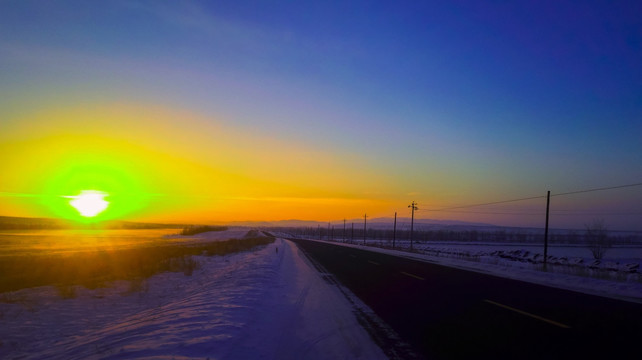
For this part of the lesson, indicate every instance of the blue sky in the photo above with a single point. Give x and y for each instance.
(452, 102)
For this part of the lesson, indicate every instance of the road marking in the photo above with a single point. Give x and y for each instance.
(413, 276)
(528, 314)
(372, 262)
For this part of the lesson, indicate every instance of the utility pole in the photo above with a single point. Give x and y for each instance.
(548, 202)
(413, 206)
(344, 229)
(365, 216)
(394, 231)
(332, 233)
(319, 230)
(352, 235)
(328, 234)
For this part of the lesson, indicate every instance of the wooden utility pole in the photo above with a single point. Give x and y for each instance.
(394, 231)
(344, 230)
(413, 206)
(365, 216)
(548, 202)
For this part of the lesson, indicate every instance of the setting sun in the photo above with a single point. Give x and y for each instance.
(89, 203)
(366, 179)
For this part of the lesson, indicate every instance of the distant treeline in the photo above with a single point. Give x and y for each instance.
(197, 229)
(506, 236)
(20, 223)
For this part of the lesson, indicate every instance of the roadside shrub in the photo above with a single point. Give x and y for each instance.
(66, 291)
(597, 239)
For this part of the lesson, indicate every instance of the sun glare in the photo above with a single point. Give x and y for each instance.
(89, 203)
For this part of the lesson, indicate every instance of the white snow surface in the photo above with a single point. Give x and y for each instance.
(260, 304)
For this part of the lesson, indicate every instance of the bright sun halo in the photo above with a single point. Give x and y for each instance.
(89, 203)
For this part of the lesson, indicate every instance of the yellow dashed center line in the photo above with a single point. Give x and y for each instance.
(413, 276)
(528, 314)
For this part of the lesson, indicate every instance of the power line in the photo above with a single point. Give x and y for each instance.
(558, 212)
(535, 197)
(593, 212)
(484, 204)
(597, 189)
(489, 212)
(580, 213)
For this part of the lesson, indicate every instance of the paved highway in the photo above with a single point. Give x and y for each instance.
(447, 313)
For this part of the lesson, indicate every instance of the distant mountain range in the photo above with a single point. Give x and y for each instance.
(374, 223)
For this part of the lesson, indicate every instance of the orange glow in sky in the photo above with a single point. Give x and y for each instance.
(180, 166)
(190, 168)
(214, 111)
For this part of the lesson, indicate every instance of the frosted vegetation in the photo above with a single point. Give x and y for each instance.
(97, 267)
(198, 229)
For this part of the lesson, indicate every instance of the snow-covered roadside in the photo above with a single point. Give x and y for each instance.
(266, 303)
(624, 290)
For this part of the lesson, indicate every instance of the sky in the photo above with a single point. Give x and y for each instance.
(262, 110)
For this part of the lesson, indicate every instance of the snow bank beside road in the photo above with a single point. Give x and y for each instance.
(258, 304)
(560, 276)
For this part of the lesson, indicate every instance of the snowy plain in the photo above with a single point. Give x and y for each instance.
(268, 303)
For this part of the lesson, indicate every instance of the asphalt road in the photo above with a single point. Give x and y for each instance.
(447, 313)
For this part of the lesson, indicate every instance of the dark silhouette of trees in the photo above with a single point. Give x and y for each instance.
(597, 238)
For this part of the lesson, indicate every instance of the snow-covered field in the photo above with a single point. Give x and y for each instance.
(27, 242)
(569, 267)
(269, 303)
(231, 233)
